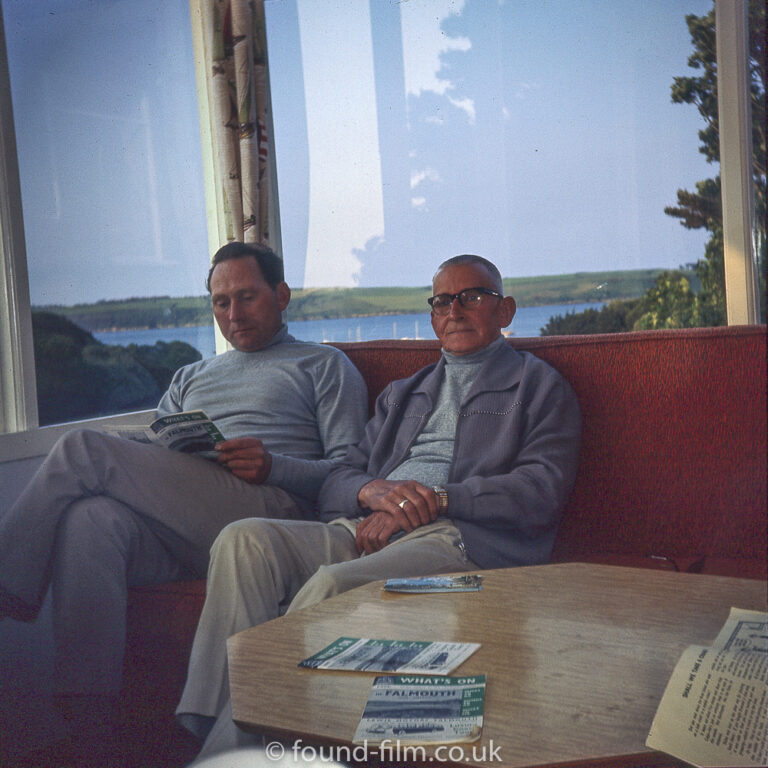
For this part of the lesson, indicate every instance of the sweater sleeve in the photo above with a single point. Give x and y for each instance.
(338, 495)
(341, 404)
(170, 402)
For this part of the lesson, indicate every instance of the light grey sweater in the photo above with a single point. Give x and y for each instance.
(306, 402)
(429, 457)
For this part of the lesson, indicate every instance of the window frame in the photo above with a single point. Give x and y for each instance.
(20, 435)
(735, 129)
(18, 389)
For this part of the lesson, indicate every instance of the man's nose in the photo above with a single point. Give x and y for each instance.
(234, 309)
(456, 308)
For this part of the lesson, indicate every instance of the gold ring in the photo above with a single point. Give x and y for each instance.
(403, 503)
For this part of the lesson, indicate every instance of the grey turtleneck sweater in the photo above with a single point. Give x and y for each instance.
(306, 402)
(430, 455)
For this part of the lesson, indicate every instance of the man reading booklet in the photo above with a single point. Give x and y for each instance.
(103, 513)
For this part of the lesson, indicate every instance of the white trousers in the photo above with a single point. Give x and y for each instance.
(102, 514)
(260, 569)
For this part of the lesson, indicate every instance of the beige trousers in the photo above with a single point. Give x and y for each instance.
(261, 569)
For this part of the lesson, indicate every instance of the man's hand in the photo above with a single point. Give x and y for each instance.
(246, 458)
(373, 532)
(410, 504)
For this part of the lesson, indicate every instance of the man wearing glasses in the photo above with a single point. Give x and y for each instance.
(465, 465)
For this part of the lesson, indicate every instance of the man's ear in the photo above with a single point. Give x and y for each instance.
(507, 309)
(283, 292)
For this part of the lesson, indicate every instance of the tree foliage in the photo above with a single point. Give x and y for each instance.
(78, 377)
(703, 208)
(614, 317)
(671, 301)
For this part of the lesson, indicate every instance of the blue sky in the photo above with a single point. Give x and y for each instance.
(106, 113)
(538, 133)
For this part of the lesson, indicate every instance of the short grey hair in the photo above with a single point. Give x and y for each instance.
(470, 258)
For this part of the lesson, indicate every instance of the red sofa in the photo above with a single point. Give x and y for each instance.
(672, 475)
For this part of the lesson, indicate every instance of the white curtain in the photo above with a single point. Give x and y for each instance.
(236, 63)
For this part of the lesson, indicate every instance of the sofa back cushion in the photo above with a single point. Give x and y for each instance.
(673, 457)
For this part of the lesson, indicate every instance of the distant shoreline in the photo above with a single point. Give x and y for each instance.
(528, 321)
(114, 329)
(163, 312)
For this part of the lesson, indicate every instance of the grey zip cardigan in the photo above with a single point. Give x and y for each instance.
(514, 461)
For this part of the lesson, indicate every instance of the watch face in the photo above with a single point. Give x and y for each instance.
(442, 496)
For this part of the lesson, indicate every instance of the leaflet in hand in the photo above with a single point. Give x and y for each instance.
(405, 656)
(188, 432)
(469, 582)
(423, 710)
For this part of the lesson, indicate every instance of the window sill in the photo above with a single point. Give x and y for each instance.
(37, 442)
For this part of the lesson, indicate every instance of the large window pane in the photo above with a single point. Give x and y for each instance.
(541, 135)
(108, 141)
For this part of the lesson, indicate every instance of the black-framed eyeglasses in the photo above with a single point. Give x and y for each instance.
(469, 298)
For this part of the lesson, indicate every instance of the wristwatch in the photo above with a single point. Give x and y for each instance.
(442, 498)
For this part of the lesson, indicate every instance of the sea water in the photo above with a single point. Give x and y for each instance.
(528, 321)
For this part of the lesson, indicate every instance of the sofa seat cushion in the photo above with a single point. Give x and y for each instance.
(164, 612)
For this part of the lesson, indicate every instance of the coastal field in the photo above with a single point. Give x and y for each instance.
(325, 303)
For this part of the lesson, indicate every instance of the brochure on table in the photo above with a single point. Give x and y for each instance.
(471, 582)
(418, 709)
(714, 711)
(362, 654)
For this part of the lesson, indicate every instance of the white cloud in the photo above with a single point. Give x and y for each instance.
(427, 174)
(424, 41)
(467, 105)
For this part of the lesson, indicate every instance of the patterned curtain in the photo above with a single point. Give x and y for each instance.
(238, 85)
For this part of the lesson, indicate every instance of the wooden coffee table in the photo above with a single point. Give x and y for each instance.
(577, 657)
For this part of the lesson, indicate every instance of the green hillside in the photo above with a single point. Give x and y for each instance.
(322, 303)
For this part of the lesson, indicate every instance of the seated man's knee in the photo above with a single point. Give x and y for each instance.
(79, 443)
(94, 522)
(327, 581)
(75, 438)
(239, 537)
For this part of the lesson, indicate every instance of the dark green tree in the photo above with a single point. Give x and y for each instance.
(672, 302)
(703, 208)
(614, 317)
(78, 377)
(669, 303)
